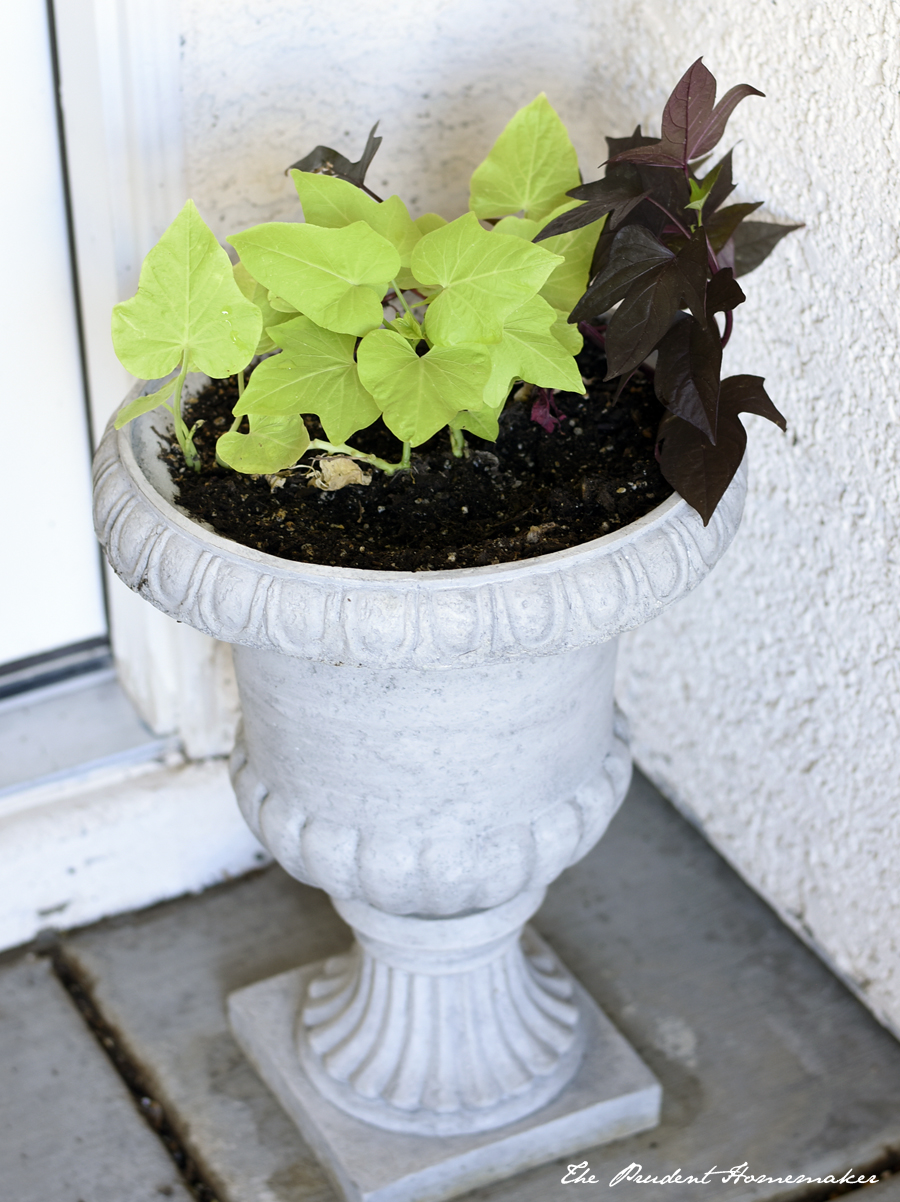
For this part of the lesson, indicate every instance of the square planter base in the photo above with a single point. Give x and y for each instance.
(613, 1095)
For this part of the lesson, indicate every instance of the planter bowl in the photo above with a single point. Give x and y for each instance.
(433, 749)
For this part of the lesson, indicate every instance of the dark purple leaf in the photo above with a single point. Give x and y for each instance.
(545, 412)
(754, 241)
(687, 373)
(691, 126)
(714, 127)
(692, 263)
(698, 470)
(688, 109)
(326, 161)
(745, 394)
(618, 146)
(618, 195)
(634, 253)
(723, 292)
(642, 319)
(721, 226)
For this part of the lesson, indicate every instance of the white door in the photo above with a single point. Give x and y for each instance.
(52, 593)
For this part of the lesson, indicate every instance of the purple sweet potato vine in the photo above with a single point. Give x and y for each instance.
(668, 257)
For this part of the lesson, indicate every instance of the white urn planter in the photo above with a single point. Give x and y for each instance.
(432, 749)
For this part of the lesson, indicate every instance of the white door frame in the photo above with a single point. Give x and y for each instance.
(120, 73)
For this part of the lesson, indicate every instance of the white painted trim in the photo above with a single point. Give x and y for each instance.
(76, 851)
(120, 69)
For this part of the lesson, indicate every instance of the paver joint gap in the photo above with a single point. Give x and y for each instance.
(151, 1110)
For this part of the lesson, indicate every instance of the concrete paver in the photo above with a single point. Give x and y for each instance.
(69, 1131)
(764, 1057)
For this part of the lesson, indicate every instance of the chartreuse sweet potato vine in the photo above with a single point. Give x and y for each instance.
(426, 323)
(362, 311)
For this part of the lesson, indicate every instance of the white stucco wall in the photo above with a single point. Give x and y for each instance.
(767, 705)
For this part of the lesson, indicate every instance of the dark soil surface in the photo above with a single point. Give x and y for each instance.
(529, 493)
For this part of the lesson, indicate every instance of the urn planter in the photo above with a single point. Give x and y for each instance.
(432, 749)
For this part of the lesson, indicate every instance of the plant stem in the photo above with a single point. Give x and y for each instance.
(241, 385)
(457, 442)
(319, 444)
(401, 298)
(191, 458)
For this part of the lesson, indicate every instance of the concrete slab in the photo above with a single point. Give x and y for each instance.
(764, 1057)
(613, 1094)
(69, 1131)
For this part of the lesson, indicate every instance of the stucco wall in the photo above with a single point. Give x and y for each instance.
(766, 705)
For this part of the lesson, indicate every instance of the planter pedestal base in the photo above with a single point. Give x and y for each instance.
(613, 1094)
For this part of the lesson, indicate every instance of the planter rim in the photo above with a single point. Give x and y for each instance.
(169, 558)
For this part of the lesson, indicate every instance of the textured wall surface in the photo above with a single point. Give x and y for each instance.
(766, 704)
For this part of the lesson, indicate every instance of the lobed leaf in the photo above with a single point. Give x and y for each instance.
(721, 225)
(272, 444)
(686, 378)
(420, 394)
(334, 203)
(634, 253)
(259, 295)
(746, 394)
(529, 168)
(316, 373)
(617, 194)
(325, 160)
(698, 470)
(529, 350)
(694, 467)
(568, 280)
(187, 305)
(337, 277)
(692, 123)
(723, 292)
(483, 279)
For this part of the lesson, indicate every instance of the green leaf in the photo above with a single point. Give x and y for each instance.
(484, 423)
(336, 276)
(187, 303)
(566, 334)
(484, 278)
(255, 292)
(529, 168)
(316, 373)
(334, 203)
(529, 351)
(428, 222)
(143, 404)
(280, 305)
(272, 444)
(420, 394)
(700, 189)
(568, 280)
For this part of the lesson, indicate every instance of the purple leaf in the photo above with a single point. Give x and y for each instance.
(714, 127)
(723, 292)
(691, 126)
(698, 470)
(634, 253)
(745, 394)
(545, 412)
(688, 110)
(721, 226)
(618, 194)
(687, 373)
